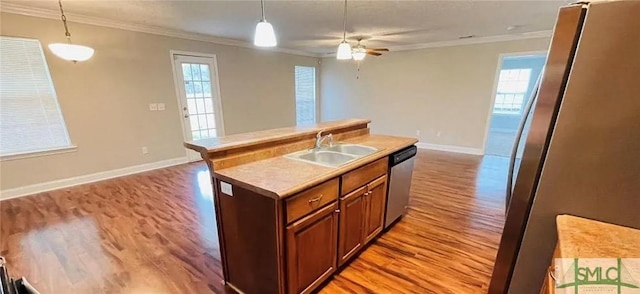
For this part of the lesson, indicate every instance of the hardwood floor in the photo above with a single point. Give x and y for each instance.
(448, 240)
(155, 233)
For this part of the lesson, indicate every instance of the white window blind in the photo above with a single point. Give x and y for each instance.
(305, 95)
(30, 117)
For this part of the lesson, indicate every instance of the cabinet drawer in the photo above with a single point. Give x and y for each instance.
(361, 176)
(307, 201)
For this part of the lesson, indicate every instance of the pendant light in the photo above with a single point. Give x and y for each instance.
(265, 36)
(69, 51)
(344, 49)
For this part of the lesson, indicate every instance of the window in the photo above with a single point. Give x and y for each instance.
(305, 95)
(512, 87)
(30, 117)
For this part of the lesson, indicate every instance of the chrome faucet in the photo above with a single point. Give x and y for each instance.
(320, 139)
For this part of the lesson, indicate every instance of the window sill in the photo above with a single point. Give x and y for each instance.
(72, 148)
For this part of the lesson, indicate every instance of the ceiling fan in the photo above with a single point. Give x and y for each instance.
(360, 51)
(345, 51)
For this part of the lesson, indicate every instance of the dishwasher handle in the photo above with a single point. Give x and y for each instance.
(403, 155)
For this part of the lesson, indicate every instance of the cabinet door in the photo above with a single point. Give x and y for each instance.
(375, 201)
(311, 249)
(351, 233)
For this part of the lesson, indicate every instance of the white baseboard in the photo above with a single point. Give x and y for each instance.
(450, 148)
(74, 181)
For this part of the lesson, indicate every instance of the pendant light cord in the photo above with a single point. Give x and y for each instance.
(64, 21)
(262, 5)
(344, 32)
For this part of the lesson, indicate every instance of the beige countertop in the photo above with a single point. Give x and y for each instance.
(267, 136)
(280, 177)
(584, 238)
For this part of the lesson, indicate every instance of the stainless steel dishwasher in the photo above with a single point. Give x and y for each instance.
(400, 170)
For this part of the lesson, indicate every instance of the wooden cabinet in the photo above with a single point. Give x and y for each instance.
(352, 216)
(549, 284)
(361, 176)
(361, 217)
(311, 249)
(548, 287)
(292, 245)
(375, 200)
(311, 199)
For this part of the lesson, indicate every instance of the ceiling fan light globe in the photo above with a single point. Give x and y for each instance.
(359, 54)
(71, 52)
(265, 35)
(344, 51)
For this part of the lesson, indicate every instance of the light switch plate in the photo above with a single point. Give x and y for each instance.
(153, 106)
(161, 106)
(226, 188)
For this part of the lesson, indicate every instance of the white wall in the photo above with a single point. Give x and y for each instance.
(445, 92)
(105, 100)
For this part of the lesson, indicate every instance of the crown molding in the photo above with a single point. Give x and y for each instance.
(469, 41)
(98, 21)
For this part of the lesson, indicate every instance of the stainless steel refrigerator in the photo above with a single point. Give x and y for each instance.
(582, 153)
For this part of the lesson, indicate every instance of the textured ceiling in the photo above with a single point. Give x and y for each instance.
(316, 26)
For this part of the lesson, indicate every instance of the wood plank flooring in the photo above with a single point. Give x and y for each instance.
(155, 233)
(448, 240)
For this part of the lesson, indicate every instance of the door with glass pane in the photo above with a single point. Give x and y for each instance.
(200, 104)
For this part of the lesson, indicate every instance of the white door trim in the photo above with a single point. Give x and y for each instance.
(496, 77)
(178, 87)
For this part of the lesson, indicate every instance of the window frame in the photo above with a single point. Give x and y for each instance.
(71, 147)
(315, 93)
(497, 92)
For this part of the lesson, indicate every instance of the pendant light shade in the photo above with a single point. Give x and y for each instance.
(265, 35)
(71, 52)
(344, 51)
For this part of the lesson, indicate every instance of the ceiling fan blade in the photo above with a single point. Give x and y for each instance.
(379, 49)
(374, 53)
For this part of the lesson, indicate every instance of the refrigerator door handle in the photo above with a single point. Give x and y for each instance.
(518, 138)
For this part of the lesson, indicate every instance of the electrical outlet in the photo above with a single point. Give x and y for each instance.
(161, 106)
(226, 188)
(438, 134)
(153, 106)
(145, 150)
(418, 134)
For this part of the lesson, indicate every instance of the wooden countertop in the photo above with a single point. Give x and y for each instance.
(584, 238)
(268, 136)
(280, 177)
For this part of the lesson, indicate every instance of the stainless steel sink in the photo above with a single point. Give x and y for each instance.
(327, 157)
(353, 149)
(333, 156)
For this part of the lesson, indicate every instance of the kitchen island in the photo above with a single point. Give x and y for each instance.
(286, 225)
